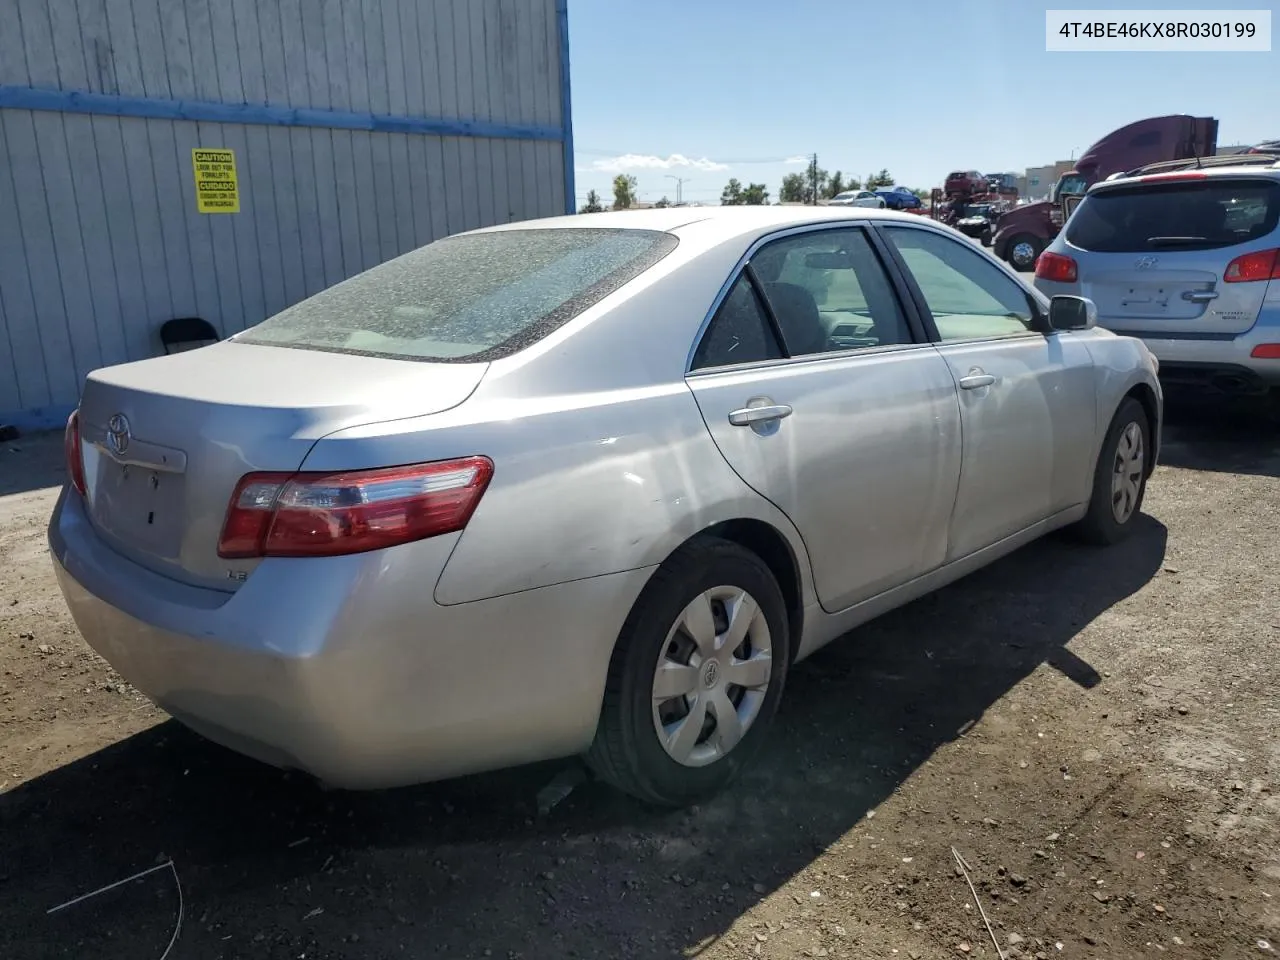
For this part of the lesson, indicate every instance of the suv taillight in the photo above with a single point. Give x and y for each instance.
(1259, 265)
(328, 514)
(71, 449)
(1056, 267)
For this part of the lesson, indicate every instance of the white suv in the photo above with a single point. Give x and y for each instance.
(1188, 261)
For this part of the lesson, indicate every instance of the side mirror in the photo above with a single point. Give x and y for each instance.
(1072, 313)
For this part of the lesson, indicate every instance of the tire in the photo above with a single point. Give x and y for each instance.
(628, 751)
(1017, 253)
(1104, 525)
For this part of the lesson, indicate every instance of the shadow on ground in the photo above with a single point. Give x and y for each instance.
(271, 866)
(1227, 435)
(31, 462)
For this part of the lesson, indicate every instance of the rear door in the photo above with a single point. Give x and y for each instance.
(1027, 399)
(824, 398)
(1154, 257)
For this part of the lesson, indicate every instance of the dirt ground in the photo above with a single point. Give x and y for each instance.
(1095, 732)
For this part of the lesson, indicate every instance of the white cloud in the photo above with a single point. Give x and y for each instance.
(638, 161)
(796, 160)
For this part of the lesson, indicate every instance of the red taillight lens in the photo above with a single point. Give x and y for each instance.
(327, 514)
(1266, 351)
(1259, 265)
(71, 449)
(1056, 267)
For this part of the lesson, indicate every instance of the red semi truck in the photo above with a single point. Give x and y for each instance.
(1024, 231)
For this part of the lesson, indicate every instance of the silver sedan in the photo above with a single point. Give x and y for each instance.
(583, 485)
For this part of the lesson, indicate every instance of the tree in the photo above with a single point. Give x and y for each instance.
(731, 195)
(593, 204)
(793, 188)
(755, 194)
(664, 202)
(881, 179)
(798, 187)
(624, 191)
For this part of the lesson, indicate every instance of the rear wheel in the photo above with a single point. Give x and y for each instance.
(696, 676)
(1120, 477)
(1023, 250)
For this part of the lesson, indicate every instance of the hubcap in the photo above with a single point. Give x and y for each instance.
(1023, 253)
(1126, 475)
(712, 676)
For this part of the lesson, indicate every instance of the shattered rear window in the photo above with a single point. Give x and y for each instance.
(468, 298)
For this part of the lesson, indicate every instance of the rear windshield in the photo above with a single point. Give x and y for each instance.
(468, 298)
(1194, 215)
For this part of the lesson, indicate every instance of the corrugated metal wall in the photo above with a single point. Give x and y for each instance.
(100, 239)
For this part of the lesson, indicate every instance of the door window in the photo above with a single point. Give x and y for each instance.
(970, 298)
(739, 332)
(829, 292)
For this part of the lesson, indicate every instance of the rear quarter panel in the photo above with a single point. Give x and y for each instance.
(581, 487)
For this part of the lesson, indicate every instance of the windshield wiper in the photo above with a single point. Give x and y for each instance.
(1175, 241)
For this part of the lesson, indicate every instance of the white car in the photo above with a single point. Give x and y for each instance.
(857, 198)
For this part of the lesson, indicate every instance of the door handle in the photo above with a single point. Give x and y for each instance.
(751, 415)
(975, 380)
(1200, 296)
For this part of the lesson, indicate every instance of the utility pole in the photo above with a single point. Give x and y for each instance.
(813, 179)
(680, 182)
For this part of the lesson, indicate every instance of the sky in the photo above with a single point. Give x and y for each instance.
(708, 89)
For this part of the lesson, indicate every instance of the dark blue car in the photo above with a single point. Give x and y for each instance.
(899, 198)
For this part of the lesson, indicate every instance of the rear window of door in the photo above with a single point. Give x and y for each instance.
(829, 292)
(968, 296)
(1195, 215)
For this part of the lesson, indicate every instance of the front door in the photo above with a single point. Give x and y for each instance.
(1027, 399)
(820, 396)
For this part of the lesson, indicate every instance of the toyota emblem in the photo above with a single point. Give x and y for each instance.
(118, 433)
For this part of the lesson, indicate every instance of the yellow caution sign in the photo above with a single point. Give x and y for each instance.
(217, 190)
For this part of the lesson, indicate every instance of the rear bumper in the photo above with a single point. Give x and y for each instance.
(1218, 361)
(345, 667)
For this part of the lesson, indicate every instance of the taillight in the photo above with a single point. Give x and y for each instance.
(1056, 267)
(328, 514)
(1259, 265)
(1161, 177)
(1266, 351)
(71, 449)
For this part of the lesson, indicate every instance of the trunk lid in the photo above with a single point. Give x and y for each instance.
(165, 440)
(1153, 256)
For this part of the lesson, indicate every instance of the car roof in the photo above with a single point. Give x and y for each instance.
(726, 221)
(1271, 172)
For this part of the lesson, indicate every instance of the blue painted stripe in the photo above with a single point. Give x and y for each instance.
(566, 114)
(77, 101)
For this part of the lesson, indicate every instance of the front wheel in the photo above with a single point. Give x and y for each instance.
(1120, 477)
(696, 677)
(1023, 250)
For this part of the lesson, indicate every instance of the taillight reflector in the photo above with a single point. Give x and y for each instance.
(71, 449)
(328, 514)
(1259, 265)
(1056, 267)
(1266, 351)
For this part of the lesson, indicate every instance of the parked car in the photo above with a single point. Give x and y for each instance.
(977, 220)
(1266, 146)
(1189, 262)
(899, 198)
(964, 183)
(856, 198)
(585, 484)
